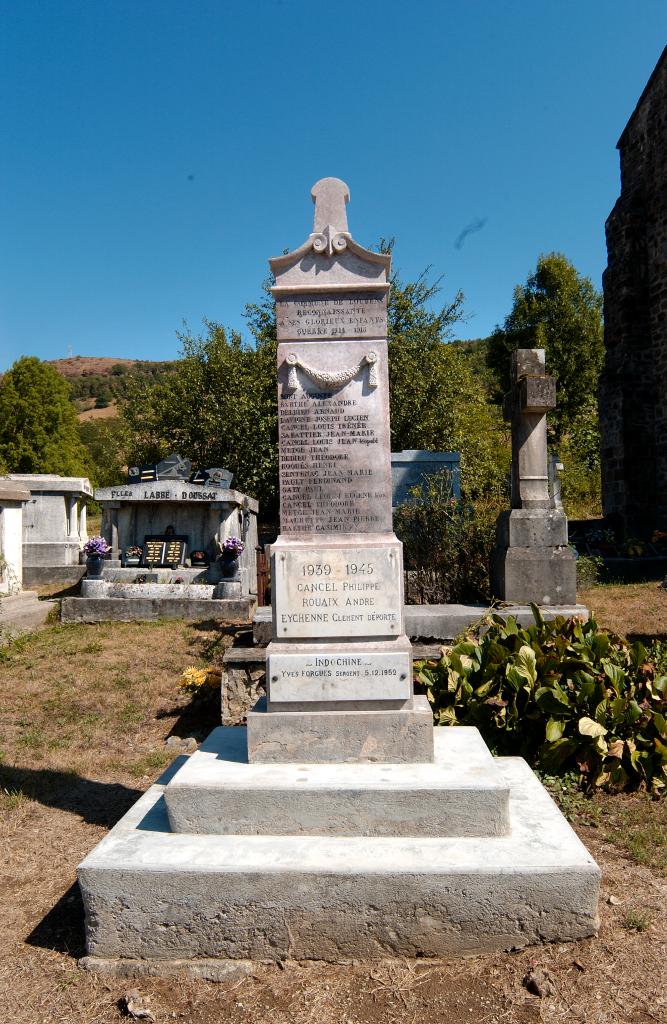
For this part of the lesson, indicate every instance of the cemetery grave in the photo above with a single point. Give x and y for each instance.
(166, 529)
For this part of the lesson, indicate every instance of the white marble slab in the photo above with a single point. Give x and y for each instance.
(337, 590)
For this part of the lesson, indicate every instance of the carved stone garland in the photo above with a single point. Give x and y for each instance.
(325, 379)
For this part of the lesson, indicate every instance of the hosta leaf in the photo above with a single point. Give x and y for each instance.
(633, 712)
(616, 676)
(553, 755)
(616, 748)
(551, 701)
(587, 727)
(525, 663)
(660, 684)
(554, 730)
(537, 614)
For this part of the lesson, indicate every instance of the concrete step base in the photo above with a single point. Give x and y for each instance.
(461, 794)
(24, 612)
(106, 609)
(398, 736)
(150, 894)
(440, 621)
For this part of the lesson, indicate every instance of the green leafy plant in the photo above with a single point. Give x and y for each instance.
(446, 542)
(589, 568)
(563, 694)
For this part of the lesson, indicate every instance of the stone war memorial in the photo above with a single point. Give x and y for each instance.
(339, 823)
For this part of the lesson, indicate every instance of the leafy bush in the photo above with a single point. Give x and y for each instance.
(563, 694)
(446, 543)
(589, 568)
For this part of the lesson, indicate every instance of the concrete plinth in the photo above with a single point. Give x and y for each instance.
(396, 736)
(441, 621)
(151, 894)
(118, 609)
(544, 576)
(461, 794)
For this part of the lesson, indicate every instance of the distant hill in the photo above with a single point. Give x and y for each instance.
(98, 382)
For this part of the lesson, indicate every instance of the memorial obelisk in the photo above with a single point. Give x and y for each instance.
(339, 671)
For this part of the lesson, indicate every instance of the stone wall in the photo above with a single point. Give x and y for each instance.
(633, 388)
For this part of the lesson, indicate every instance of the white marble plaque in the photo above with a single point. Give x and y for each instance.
(334, 452)
(355, 674)
(344, 315)
(321, 591)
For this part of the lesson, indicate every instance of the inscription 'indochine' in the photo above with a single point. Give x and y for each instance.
(327, 316)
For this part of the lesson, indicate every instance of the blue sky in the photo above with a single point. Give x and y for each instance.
(155, 153)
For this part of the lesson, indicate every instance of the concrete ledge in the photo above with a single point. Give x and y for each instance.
(323, 737)
(152, 895)
(24, 612)
(44, 575)
(460, 794)
(105, 609)
(440, 621)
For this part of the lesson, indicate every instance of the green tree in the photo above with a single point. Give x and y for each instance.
(38, 426)
(437, 401)
(561, 311)
(219, 409)
(106, 443)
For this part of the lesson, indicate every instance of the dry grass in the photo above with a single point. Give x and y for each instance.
(630, 609)
(84, 715)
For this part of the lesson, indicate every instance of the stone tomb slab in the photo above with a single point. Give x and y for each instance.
(151, 894)
(461, 794)
(337, 588)
(397, 736)
(346, 671)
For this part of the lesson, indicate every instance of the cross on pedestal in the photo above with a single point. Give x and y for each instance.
(531, 397)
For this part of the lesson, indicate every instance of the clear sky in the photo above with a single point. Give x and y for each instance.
(155, 153)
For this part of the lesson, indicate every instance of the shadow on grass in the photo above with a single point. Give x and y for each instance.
(197, 718)
(646, 638)
(97, 803)
(62, 928)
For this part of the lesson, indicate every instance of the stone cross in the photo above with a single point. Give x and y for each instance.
(531, 396)
(330, 196)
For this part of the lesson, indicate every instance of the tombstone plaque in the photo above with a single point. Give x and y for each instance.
(164, 550)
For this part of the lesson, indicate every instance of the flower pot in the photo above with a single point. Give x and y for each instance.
(94, 565)
(229, 567)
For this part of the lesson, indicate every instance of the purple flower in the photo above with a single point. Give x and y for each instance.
(233, 547)
(96, 546)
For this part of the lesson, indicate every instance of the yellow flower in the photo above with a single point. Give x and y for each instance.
(193, 679)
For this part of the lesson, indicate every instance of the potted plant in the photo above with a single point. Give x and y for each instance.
(133, 555)
(230, 550)
(95, 549)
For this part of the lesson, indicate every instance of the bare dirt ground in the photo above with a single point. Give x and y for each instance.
(85, 714)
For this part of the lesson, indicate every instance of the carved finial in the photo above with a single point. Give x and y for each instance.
(330, 196)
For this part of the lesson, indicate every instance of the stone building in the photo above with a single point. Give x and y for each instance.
(633, 388)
